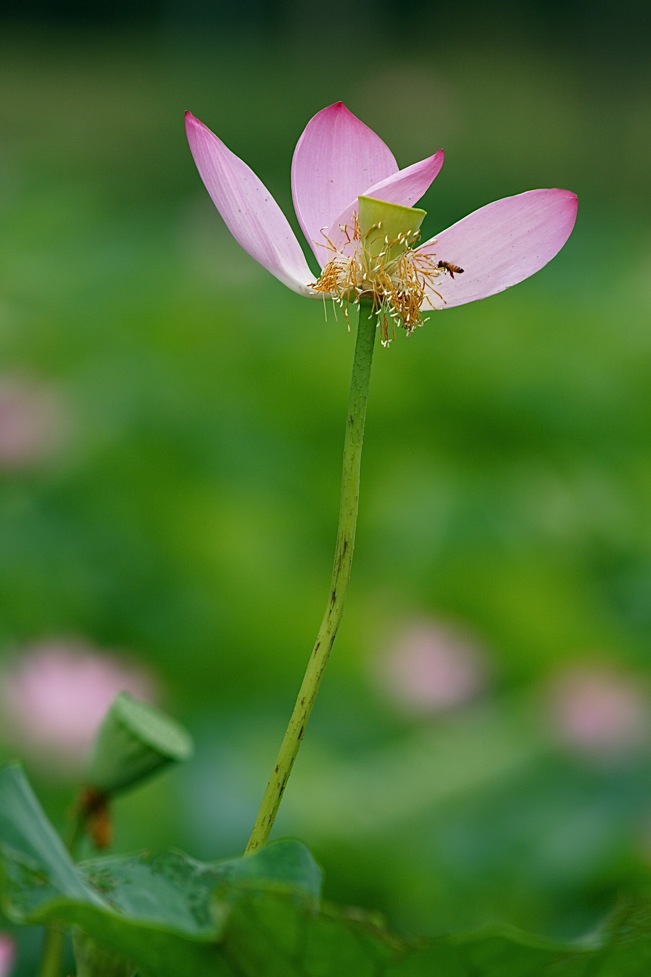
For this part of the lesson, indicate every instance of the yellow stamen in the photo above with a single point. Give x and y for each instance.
(389, 272)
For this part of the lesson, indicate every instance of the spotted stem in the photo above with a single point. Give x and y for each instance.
(349, 504)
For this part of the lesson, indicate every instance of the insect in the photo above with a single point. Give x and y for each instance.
(452, 269)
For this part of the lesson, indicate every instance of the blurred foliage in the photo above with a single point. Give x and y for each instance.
(187, 518)
(259, 915)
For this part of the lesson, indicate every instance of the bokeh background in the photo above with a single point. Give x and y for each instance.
(171, 422)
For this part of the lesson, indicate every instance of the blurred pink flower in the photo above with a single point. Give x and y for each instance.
(598, 710)
(431, 667)
(337, 160)
(32, 422)
(6, 954)
(54, 696)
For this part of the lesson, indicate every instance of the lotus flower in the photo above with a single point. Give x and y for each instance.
(430, 667)
(598, 711)
(7, 953)
(54, 697)
(340, 165)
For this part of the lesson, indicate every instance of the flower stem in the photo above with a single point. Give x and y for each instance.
(358, 399)
(54, 942)
(53, 947)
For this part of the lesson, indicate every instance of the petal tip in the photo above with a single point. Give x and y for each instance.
(568, 196)
(337, 108)
(192, 123)
(570, 205)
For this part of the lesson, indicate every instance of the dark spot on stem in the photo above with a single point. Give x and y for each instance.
(300, 732)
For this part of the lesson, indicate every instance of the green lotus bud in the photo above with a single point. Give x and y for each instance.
(133, 742)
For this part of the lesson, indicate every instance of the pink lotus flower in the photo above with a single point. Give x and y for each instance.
(338, 160)
(33, 422)
(599, 711)
(53, 698)
(7, 953)
(430, 667)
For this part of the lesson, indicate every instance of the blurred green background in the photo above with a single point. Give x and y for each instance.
(174, 502)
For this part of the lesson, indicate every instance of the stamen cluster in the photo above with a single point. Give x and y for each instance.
(389, 273)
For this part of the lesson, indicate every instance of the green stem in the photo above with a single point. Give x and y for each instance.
(55, 938)
(53, 947)
(359, 386)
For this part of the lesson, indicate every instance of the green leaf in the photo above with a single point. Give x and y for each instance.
(36, 865)
(166, 912)
(260, 916)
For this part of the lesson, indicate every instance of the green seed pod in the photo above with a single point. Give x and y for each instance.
(386, 229)
(133, 742)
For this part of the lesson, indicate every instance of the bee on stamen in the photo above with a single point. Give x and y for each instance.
(450, 268)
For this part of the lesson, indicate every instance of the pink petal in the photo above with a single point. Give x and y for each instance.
(249, 211)
(336, 159)
(500, 245)
(405, 187)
